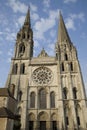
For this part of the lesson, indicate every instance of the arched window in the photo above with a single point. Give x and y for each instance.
(65, 93)
(23, 36)
(71, 66)
(66, 113)
(28, 36)
(18, 35)
(66, 57)
(12, 89)
(19, 95)
(78, 120)
(62, 66)
(42, 99)
(21, 48)
(67, 120)
(52, 99)
(75, 93)
(19, 110)
(15, 68)
(22, 69)
(78, 114)
(32, 100)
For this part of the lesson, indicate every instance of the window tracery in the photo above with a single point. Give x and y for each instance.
(52, 99)
(32, 100)
(42, 75)
(42, 99)
(15, 69)
(21, 49)
(22, 68)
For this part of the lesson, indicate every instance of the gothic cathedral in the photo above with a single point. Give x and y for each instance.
(49, 90)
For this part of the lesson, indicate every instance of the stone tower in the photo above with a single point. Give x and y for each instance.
(49, 90)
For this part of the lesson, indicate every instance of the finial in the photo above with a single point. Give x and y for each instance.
(27, 18)
(62, 31)
(29, 8)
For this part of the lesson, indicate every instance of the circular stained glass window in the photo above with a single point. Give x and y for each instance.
(42, 75)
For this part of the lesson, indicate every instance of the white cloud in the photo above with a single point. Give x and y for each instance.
(10, 52)
(3, 18)
(1, 33)
(36, 44)
(44, 24)
(46, 3)
(79, 16)
(70, 24)
(34, 16)
(51, 46)
(70, 21)
(7, 29)
(9, 60)
(48, 41)
(10, 37)
(33, 7)
(67, 1)
(52, 33)
(6, 33)
(17, 6)
(21, 20)
(51, 49)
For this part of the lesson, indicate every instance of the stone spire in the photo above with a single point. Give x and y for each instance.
(27, 18)
(62, 31)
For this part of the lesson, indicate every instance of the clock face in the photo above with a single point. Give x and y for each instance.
(42, 76)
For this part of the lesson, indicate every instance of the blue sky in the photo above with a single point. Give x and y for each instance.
(44, 22)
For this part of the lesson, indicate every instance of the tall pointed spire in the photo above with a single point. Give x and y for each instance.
(27, 18)
(62, 31)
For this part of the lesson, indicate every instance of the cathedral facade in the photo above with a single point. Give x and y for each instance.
(49, 90)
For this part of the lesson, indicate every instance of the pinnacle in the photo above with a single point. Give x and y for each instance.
(27, 18)
(62, 31)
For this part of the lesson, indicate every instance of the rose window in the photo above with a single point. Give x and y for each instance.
(42, 75)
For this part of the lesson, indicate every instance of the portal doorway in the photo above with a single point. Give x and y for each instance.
(42, 125)
(31, 124)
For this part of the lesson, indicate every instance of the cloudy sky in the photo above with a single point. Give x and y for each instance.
(44, 22)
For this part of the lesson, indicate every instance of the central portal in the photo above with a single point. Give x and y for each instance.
(42, 125)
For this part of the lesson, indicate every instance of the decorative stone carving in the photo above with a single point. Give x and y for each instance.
(42, 76)
(43, 53)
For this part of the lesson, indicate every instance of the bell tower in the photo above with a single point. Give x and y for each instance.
(23, 53)
(72, 86)
(18, 77)
(24, 40)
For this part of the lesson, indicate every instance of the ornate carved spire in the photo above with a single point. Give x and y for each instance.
(43, 53)
(62, 31)
(27, 18)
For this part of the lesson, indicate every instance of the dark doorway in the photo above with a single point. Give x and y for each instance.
(42, 125)
(54, 125)
(31, 124)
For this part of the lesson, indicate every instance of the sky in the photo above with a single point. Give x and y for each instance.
(44, 23)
